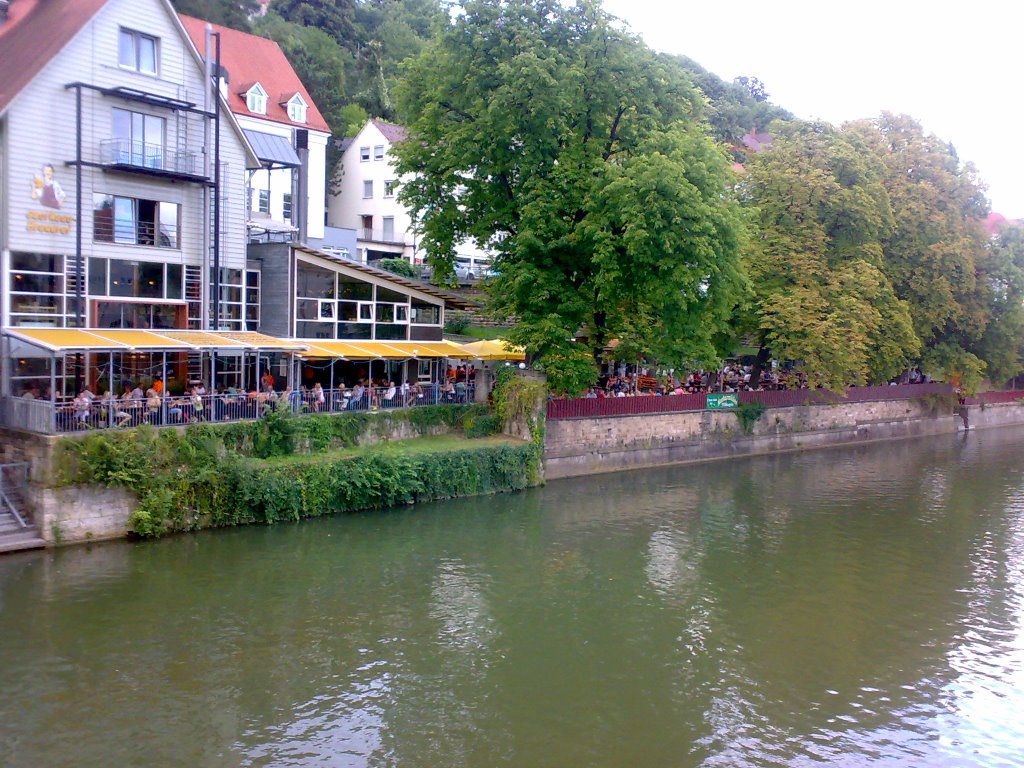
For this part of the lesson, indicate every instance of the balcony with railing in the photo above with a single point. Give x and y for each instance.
(151, 159)
(383, 236)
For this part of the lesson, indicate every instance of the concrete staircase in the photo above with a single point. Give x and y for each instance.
(16, 531)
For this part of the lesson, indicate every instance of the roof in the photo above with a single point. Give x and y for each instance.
(34, 33)
(450, 299)
(250, 59)
(757, 142)
(393, 133)
(276, 151)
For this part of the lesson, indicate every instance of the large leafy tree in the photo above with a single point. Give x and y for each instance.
(1002, 343)
(548, 134)
(936, 252)
(821, 296)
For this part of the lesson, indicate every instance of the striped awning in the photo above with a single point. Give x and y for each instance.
(379, 350)
(115, 339)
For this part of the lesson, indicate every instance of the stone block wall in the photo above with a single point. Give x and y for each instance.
(588, 446)
(75, 514)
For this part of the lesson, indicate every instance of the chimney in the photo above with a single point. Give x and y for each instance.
(301, 203)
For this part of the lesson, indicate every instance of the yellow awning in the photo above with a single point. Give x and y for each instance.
(135, 339)
(261, 341)
(96, 339)
(204, 339)
(353, 350)
(494, 349)
(60, 339)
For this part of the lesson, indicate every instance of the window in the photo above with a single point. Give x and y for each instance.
(138, 139)
(364, 154)
(297, 109)
(136, 51)
(389, 188)
(134, 279)
(367, 189)
(252, 300)
(378, 152)
(424, 313)
(132, 221)
(231, 303)
(286, 210)
(389, 229)
(256, 100)
(264, 201)
(37, 290)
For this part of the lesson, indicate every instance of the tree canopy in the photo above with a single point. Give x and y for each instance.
(553, 137)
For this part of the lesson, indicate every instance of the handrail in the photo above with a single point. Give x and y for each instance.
(3, 493)
(66, 416)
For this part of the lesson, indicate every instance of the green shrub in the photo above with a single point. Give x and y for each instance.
(748, 415)
(397, 267)
(456, 322)
(482, 426)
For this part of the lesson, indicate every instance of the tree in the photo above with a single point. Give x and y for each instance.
(1002, 343)
(936, 252)
(821, 297)
(549, 135)
(228, 13)
(754, 87)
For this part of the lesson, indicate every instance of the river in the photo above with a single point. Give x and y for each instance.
(855, 606)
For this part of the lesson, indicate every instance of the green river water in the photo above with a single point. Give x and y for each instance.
(851, 607)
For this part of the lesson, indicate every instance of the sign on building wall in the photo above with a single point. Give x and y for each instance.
(49, 197)
(723, 400)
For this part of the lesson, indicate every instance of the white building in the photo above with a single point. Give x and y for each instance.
(107, 173)
(367, 200)
(286, 130)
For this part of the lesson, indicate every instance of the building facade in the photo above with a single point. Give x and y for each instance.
(286, 196)
(108, 175)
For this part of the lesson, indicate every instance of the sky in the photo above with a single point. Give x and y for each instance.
(954, 66)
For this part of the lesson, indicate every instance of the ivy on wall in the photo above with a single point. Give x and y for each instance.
(212, 475)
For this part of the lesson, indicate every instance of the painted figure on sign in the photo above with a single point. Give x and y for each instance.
(46, 189)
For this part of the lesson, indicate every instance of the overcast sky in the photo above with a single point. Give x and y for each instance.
(955, 66)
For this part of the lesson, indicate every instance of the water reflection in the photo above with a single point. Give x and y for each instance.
(851, 606)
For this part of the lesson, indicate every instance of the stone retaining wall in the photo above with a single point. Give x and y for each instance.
(575, 447)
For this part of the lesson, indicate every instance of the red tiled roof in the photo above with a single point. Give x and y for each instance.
(393, 133)
(34, 33)
(250, 59)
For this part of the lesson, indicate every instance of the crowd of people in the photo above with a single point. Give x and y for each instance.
(732, 377)
(153, 406)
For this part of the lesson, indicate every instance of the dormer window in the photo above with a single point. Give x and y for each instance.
(297, 109)
(256, 99)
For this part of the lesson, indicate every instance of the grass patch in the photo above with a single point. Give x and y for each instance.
(485, 332)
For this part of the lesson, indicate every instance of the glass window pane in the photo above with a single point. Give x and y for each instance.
(169, 213)
(314, 282)
(348, 311)
(385, 313)
(122, 124)
(308, 330)
(174, 290)
(124, 220)
(425, 314)
(147, 54)
(390, 332)
(151, 281)
(103, 218)
(126, 49)
(36, 262)
(306, 309)
(385, 294)
(97, 277)
(354, 331)
(354, 289)
(122, 277)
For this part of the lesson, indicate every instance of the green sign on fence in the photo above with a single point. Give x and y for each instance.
(724, 400)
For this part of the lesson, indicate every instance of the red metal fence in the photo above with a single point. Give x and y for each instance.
(629, 406)
(992, 398)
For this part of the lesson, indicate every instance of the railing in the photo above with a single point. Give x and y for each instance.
(75, 416)
(629, 406)
(995, 398)
(13, 484)
(156, 157)
(380, 236)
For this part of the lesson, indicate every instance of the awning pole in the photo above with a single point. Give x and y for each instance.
(163, 389)
(53, 393)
